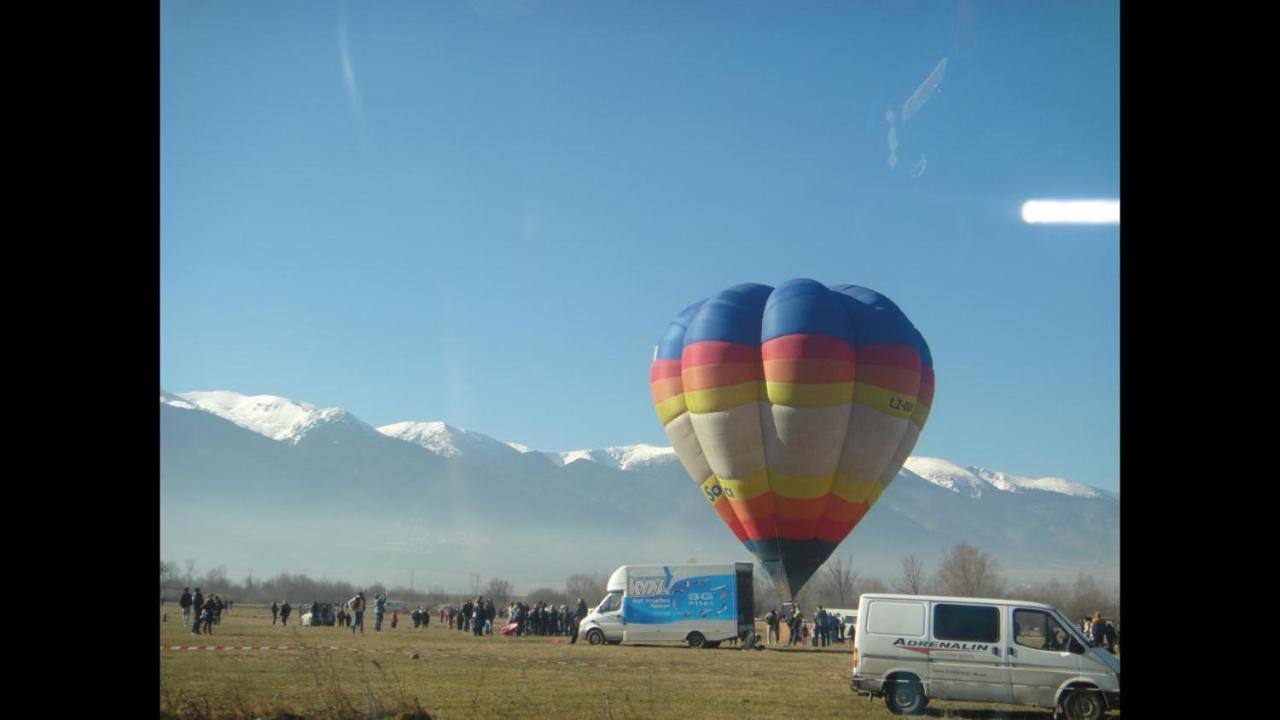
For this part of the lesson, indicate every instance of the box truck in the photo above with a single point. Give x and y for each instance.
(702, 604)
(911, 648)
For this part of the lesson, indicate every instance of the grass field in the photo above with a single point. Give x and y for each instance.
(456, 675)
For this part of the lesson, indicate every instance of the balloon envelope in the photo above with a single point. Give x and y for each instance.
(793, 409)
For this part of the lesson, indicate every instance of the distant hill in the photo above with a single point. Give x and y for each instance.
(266, 484)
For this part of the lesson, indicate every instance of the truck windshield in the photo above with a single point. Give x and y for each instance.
(611, 602)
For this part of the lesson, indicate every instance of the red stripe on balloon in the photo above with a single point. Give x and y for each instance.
(903, 356)
(794, 347)
(714, 352)
(663, 369)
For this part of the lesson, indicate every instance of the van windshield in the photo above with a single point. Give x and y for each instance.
(610, 603)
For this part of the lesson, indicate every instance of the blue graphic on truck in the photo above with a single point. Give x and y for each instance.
(658, 600)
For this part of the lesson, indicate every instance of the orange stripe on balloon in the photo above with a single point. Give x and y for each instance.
(726, 513)
(663, 369)
(792, 509)
(889, 377)
(666, 388)
(705, 377)
(809, 371)
(842, 511)
(759, 506)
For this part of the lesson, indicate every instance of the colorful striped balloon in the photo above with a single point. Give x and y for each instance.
(793, 409)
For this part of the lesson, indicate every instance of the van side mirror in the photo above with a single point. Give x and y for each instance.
(1076, 647)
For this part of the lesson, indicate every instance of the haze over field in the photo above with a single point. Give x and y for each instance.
(263, 484)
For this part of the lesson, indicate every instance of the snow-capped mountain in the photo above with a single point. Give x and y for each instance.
(286, 476)
(624, 457)
(446, 440)
(972, 480)
(275, 417)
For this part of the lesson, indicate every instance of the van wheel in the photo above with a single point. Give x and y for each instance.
(906, 697)
(697, 640)
(595, 637)
(1083, 704)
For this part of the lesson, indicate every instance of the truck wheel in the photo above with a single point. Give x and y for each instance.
(1083, 704)
(595, 637)
(697, 640)
(905, 697)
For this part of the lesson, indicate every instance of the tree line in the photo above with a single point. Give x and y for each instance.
(964, 571)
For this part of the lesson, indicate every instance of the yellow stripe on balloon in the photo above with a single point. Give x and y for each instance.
(849, 488)
(711, 490)
(888, 402)
(671, 408)
(722, 398)
(800, 487)
(752, 486)
(811, 396)
(921, 415)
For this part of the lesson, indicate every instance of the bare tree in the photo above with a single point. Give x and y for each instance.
(868, 585)
(968, 572)
(912, 580)
(476, 583)
(840, 582)
(499, 591)
(764, 595)
(588, 587)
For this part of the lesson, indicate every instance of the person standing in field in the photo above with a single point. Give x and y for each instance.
(771, 627)
(206, 614)
(184, 602)
(197, 602)
(275, 612)
(285, 610)
(357, 606)
(379, 607)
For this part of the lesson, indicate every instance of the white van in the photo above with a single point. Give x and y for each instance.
(702, 604)
(911, 648)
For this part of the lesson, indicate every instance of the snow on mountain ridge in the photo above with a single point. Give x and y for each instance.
(946, 474)
(1016, 483)
(446, 440)
(169, 398)
(275, 417)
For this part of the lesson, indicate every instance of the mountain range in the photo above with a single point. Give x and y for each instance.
(262, 484)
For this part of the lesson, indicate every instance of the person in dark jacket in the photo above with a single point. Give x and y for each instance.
(285, 610)
(1097, 630)
(197, 603)
(185, 603)
(275, 612)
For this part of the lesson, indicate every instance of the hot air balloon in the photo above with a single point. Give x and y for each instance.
(792, 409)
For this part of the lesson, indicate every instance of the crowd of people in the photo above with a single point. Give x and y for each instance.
(200, 611)
(1100, 632)
(827, 628)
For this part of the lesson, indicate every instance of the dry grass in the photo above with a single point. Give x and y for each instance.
(457, 675)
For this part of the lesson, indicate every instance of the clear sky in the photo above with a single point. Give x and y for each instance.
(487, 212)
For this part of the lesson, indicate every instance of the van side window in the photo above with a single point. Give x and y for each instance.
(896, 618)
(1039, 630)
(966, 623)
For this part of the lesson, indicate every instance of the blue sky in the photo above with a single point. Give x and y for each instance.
(487, 212)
